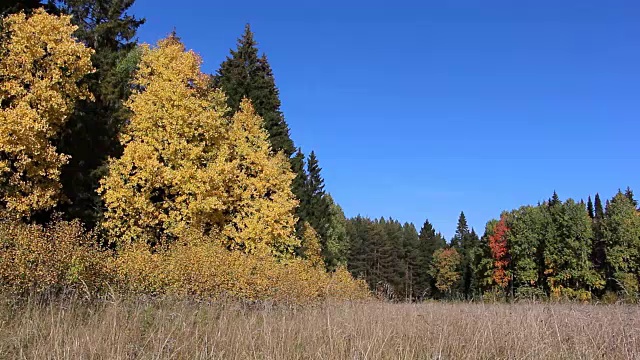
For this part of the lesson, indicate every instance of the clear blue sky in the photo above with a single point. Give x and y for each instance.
(423, 109)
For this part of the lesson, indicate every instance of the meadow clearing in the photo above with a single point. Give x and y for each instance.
(167, 329)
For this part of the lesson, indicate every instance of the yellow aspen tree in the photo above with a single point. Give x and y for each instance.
(185, 165)
(40, 67)
(311, 246)
(258, 195)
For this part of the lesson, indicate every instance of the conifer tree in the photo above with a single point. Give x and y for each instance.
(359, 246)
(90, 136)
(590, 208)
(628, 193)
(599, 212)
(299, 187)
(429, 242)
(462, 230)
(411, 259)
(466, 245)
(245, 74)
(316, 208)
(8, 7)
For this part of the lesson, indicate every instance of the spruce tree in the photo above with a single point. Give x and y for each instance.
(598, 246)
(90, 136)
(299, 188)
(429, 242)
(629, 195)
(462, 229)
(316, 208)
(465, 244)
(598, 212)
(590, 207)
(245, 74)
(555, 199)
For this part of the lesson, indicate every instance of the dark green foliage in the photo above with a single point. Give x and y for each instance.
(90, 135)
(15, 6)
(590, 207)
(245, 74)
(299, 187)
(628, 193)
(315, 206)
(466, 243)
(358, 229)
(599, 212)
(428, 242)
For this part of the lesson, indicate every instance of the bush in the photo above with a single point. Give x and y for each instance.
(38, 259)
(201, 267)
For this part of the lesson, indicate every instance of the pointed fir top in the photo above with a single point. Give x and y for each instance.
(246, 46)
(590, 207)
(629, 195)
(463, 227)
(598, 211)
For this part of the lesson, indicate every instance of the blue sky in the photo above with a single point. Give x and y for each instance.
(423, 109)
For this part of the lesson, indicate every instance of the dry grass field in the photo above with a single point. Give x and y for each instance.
(168, 329)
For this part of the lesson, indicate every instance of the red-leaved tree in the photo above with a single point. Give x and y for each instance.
(500, 253)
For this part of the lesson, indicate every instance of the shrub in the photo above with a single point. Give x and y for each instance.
(37, 259)
(200, 266)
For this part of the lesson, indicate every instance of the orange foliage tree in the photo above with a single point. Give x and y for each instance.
(500, 253)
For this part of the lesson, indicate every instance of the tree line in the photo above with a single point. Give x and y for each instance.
(555, 249)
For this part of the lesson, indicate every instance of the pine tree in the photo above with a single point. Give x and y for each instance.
(15, 6)
(391, 266)
(299, 187)
(358, 234)
(466, 245)
(628, 193)
(411, 258)
(429, 242)
(316, 208)
(90, 135)
(590, 207)
(245, 74)
(599, 212)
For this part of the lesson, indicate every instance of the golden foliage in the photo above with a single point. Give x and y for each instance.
(445, 268)
(311, 245)
(37, 259)
(40, 66)
(187, 165)
(201, 267)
